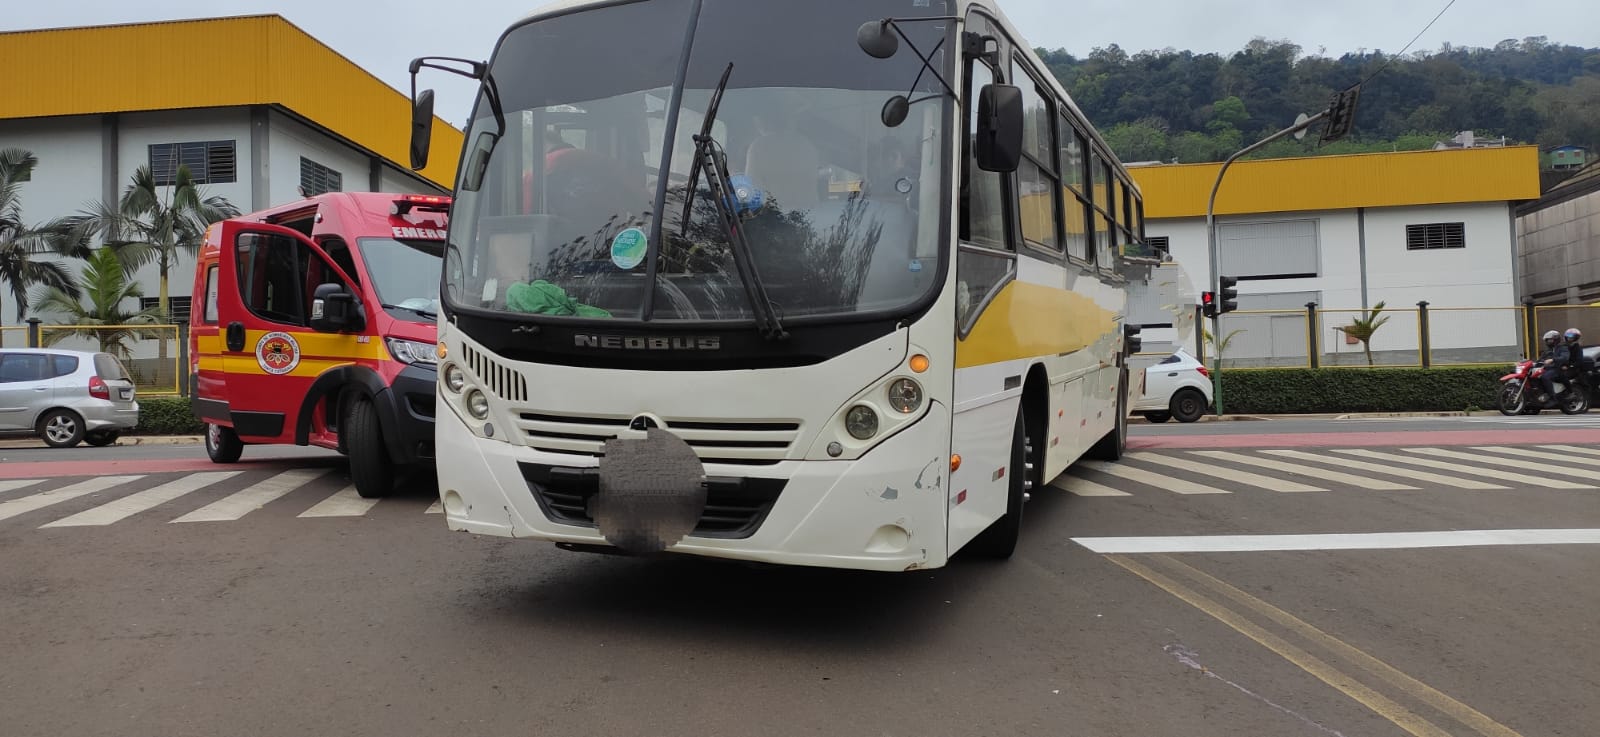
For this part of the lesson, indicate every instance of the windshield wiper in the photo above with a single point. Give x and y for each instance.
(708, 154)
(425, 313)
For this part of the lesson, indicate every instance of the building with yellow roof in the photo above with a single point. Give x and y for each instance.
(273, 115)
(1348, 232)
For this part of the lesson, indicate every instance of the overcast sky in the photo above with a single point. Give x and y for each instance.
(384, 37)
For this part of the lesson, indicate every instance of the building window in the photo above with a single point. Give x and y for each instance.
(1159, 245)
(1436, 235)
(180, 306)
(1286, 249)
(209, 162)
(317, 179)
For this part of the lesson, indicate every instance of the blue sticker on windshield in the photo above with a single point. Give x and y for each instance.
(628, 248)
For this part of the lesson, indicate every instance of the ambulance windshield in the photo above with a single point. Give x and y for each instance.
(405, 274)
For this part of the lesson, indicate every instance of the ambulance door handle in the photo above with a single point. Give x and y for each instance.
(235, 336)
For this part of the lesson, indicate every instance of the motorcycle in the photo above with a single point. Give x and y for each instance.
(1523, 391)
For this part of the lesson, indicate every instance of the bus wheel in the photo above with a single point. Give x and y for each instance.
(1000, 540)
(223, 444)
(1115, 443)
(370, 469)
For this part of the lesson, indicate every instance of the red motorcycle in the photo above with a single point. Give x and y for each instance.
(1523, 392)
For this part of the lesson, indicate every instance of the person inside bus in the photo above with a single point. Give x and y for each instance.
(784, 162)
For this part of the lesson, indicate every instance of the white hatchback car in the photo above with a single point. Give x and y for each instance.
(66, 397)
(1177, 387)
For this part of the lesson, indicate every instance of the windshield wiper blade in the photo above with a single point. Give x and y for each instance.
(705, 132)
(709, 155)
(425, 313)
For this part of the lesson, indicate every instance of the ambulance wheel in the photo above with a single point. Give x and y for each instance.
(223, 444)
(370, 468)
(1000, 540)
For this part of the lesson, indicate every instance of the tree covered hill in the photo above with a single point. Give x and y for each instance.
(1180, 105)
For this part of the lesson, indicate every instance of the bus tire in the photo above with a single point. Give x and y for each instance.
(223, 444)
(1115, 443)
(371, 471)
(999, 541)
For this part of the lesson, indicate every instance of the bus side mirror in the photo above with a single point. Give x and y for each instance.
(421, 129)
(1135, 339)
(334, 310)
(999, 136)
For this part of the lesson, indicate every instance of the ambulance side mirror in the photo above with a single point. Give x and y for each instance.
(334, 310)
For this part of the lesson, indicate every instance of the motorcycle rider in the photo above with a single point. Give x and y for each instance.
(1557, 358)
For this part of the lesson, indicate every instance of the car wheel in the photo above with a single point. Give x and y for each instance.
(61, 428)
(223, 444)
(1158, 416)
(101, 438)
(371, 471)
(1188, 405)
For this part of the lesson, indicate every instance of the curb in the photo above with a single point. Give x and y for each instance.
(29, 443)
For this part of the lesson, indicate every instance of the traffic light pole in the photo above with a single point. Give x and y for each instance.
(1211, 236)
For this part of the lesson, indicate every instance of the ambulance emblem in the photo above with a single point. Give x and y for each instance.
(277, 353)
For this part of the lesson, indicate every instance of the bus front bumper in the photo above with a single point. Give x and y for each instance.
(886, 511)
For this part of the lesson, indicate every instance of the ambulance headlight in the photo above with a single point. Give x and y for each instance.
(454, 378)
(477, 404)
(412, 352)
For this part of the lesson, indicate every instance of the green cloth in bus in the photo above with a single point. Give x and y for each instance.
(544, 298)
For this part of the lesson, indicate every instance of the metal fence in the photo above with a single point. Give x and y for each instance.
(154, 355)
(1421, 336)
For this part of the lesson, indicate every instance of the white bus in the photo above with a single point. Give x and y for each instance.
(827, 284)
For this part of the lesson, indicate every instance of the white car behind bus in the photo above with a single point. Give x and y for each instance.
(1179, 387)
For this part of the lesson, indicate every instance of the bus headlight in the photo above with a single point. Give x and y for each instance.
(477, 404)
(905, 396)
(861, 422)
(454, 378)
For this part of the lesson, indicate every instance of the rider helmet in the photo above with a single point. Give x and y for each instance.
(1551, 336)
(1573, 335)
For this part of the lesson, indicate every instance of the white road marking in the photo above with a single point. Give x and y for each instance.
(1432, 478)
(132, 504)
(1529, 470)
(437, 507)
(1338, 541)
(344, 503)
(1543, 456)
(1361, 482)
(1573, 449)
(1084, 487)
(44, 499)
(11, 484)
(1139, 475)
(1227, 474)
(1489, 473)
(248, 500)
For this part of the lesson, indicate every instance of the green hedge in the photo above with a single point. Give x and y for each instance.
(167, 416)
(1296, 391)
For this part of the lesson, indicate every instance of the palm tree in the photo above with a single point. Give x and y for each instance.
(1364, 327)
(105, 289)
(20, 244)
(1227, 340)
(150, 225)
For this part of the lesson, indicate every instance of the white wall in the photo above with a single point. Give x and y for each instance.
(395, 181)
(291, 140)
(66, 180)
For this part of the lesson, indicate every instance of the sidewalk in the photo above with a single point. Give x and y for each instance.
(24, 442)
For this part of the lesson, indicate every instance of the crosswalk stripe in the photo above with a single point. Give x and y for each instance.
(1227, 474)
(1084, 487)
(12, 484)
(243, 502)
(1402, 472)
(1139, 475)
(1543, 455)
(1528, 474)
(344, 503)
(1573, 449)
(1361, 482)
(117, 510)
(437, 507)
(1516, 478)
(14, 507)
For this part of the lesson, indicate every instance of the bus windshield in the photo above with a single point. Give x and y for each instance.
(557, 215)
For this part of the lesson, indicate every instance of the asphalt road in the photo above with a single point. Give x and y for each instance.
(133, 620)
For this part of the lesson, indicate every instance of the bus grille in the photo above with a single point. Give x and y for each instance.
(739, 442)
(735, 507)
(501, 381)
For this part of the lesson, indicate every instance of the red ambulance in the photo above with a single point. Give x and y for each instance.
(318, 327)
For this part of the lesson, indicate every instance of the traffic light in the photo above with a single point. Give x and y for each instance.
(1228, 301)
(1208, 304)
(1341, 114)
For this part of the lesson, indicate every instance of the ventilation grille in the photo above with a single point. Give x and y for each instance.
(739, 442)
(501, 381)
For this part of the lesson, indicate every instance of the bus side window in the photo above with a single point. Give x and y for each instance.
(983, 213)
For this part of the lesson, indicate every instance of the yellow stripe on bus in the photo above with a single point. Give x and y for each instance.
(1031, 321)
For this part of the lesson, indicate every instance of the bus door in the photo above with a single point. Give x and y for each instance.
(271, 354)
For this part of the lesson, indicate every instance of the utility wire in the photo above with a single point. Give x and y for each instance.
(1408, 45)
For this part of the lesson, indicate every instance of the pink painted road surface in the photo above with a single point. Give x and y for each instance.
(1387, 439)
